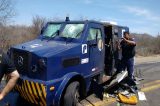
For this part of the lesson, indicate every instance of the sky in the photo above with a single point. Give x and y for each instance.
(141, 16)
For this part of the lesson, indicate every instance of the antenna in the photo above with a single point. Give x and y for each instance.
(67, 18)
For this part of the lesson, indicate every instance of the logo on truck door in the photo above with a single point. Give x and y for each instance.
(84, 48)
(100, 44)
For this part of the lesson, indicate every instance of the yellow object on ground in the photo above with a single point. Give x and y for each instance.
(132, 100)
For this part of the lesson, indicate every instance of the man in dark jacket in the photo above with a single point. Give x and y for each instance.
(7, 68)
(128, 52)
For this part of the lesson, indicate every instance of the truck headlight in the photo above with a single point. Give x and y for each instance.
(42, 63)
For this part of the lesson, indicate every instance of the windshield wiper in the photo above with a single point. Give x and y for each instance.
(54, 34)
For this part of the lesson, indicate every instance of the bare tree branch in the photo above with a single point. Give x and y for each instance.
(37, 24)
(6, 10)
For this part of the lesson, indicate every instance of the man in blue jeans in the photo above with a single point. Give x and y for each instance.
(127, 46)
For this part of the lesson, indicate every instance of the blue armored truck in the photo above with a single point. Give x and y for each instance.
(58, 67)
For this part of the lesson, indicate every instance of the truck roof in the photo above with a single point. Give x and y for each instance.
(88, 21)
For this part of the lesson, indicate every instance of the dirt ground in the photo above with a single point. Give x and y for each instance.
(148, 59)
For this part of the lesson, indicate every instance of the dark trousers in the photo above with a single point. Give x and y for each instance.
(129, 64)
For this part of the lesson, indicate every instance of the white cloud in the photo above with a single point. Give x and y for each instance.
(147, 14)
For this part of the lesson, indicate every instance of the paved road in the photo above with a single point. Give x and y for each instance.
(150, 85)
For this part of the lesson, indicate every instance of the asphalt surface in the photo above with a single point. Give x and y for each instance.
(150, 72)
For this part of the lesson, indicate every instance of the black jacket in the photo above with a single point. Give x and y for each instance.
(128, 51)
(6, 65)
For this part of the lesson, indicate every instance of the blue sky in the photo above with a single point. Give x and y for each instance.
(142, 16)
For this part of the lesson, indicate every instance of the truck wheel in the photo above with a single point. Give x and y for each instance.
(71, 96)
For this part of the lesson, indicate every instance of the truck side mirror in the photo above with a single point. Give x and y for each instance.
(58, 32)
(42, 30)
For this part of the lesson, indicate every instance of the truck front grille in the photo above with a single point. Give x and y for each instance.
(21, 60)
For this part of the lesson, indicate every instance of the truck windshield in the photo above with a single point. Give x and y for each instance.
(51, 29)
(72, 31)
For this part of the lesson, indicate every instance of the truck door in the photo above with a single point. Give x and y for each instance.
(95, 40)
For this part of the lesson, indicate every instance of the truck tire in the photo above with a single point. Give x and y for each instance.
(71, 96)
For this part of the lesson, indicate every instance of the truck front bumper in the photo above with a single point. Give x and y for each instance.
(32, 91)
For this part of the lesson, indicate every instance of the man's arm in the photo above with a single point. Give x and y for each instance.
(13, 77)
(11, 72)
(130, 42)
(118, 45)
